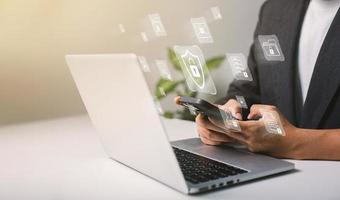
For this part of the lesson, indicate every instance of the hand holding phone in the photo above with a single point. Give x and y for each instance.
(200, 106)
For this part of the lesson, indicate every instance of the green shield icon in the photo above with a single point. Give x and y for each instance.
(194, 68)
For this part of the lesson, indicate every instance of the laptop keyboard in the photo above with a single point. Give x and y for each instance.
(198, 169)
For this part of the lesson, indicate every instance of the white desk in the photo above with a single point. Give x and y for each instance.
(63, 159)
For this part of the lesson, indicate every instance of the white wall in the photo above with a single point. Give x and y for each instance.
(36, 34)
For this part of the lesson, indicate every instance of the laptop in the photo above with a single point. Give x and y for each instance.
(122, 109)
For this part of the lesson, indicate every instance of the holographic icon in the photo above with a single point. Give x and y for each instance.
(157, 25)
(121, 28)
(239, 67)
(230, 122)
(216, 12)
(194, 69)
(242, 101)
(144, 64)
(163, 69)
(144, 37)
(272, 122)
(201, 30)
(271, 47)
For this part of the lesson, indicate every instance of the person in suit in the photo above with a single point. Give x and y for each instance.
(304, 89)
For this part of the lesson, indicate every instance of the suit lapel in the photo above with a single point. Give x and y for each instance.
(288, 31)
(325, 79)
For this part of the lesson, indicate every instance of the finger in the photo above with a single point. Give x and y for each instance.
(239, 136)
(236, 111)
(209, 142)
(213, 135)
(177, 100)
(246, 124)
(250, 128)
(217, 123)
(201, 121)
(256, 110)
(234, 108)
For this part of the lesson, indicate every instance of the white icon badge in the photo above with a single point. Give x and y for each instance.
(194, 69)
(229, 121)
(272, 122)
(216, 12)
(201, 30)
(157, 25)
(239, 66)
(271, 47)
(242, 101)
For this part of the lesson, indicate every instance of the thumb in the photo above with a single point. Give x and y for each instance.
(236, 111)
(234, 108)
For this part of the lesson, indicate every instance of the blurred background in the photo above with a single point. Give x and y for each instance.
(35, 35)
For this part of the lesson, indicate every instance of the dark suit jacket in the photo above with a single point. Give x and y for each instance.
(277, 83)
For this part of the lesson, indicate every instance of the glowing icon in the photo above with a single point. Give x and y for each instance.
(238, 64)
(271, 47)
(194, 69)
(121, 28)
(229, 122)
(144, 64)
(242, 101)
(216, 12)
(163, 69)
(144, 37)
(157, 25)
(201, 30)
(235, 125)
(272, 122)
(194, 66)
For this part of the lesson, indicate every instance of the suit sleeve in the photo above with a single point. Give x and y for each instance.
(249, 89)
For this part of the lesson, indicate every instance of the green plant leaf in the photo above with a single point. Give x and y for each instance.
(192, 94)
(173, 59)
(169, 115)
(166, 86)
(215, 62)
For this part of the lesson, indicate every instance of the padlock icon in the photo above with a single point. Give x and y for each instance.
(194, 69)
(271, 48)
(201, 30)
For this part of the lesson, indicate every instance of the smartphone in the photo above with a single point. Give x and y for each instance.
(200, 106)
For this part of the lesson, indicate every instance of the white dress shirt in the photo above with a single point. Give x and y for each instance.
(318, 19)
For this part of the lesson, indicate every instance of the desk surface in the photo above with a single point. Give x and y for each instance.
(63, 159)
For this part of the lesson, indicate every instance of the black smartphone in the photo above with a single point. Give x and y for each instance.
(200, 106)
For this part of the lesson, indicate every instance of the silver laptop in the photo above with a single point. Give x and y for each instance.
(122, 109)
